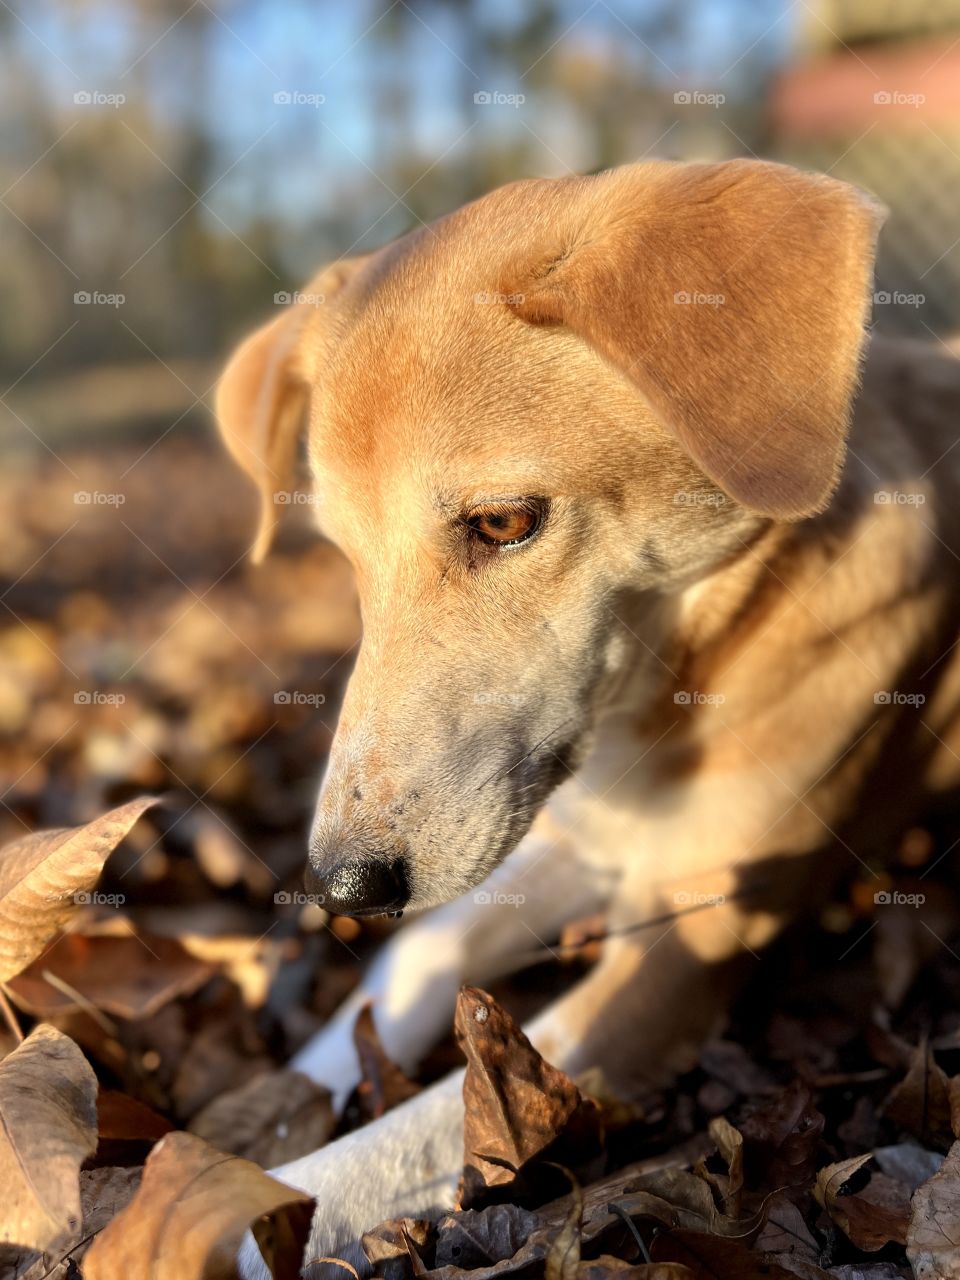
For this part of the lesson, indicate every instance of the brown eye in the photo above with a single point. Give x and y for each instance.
(506, 524)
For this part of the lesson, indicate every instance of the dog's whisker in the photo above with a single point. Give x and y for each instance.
(502, 773)
(652, 922)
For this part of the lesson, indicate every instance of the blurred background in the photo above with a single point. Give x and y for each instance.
(178, 162)
(170, 171)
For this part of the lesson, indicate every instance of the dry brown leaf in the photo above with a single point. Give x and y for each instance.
(933, 1237)
(48, 1127)
(389, 1248)
(786, 1233)
(480, 1238)
(275, 1117)
(730, 1145)
(504, 1240)
(920, 1103)
(563, 1256)
(223, 1050)
(606, 1267)
(781, 1139)
(103, 1193)
(127, 1129)
(518, 1107)
(717, 1258)
(123, 973)
(384, 1085)
(678, 1198)
(121, 1118)
(190, 1214)
(42, 875)
(864, 1221)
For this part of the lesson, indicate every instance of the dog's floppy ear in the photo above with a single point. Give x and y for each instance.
(734, 296)
(263, 393)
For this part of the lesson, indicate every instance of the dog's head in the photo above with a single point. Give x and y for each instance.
(531, 426)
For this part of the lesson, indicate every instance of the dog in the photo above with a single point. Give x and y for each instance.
(658, 579)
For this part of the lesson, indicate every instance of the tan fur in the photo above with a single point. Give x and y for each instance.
(695, 643)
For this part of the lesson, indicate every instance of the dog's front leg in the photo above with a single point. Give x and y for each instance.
(633, 1015)
(406, 1163)
(413, 982)
(645, 1009)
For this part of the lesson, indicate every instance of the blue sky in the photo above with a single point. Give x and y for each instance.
(298, 164)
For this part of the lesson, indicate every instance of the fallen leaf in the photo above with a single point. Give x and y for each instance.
(781, 1140)
(479, 1238)
(933, 1236)
(730, 1146)
(103, 1193)
(920, 1103)
(384, 1085)
(606, 1266)
(223, 1049)
(274, 1117)
(126, 1129)
(518, 1107)
(507, 1241)
(190, 1214)
(678, 1198)
(122, 973)
(389, 1247)
(865, 1222)
(563, 1256)
(48, 1127)
(45, 876)
(715, 1258)
(786, 1233)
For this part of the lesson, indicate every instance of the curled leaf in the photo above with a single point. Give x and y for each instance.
(864, 1221)
(190, 1215)
(45, 876)
(518, 1107)
(384, 1085)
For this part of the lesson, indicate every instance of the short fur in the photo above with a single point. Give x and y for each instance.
(710, 659)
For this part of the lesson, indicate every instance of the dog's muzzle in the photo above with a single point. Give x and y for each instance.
(362, 887)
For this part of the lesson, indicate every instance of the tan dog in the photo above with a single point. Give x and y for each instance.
(584, 442)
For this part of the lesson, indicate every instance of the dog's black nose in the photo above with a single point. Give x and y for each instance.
(366, 887)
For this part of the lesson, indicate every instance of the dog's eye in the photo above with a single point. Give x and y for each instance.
(504, 524)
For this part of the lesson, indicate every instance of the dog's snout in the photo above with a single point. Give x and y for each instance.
(361, 887)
